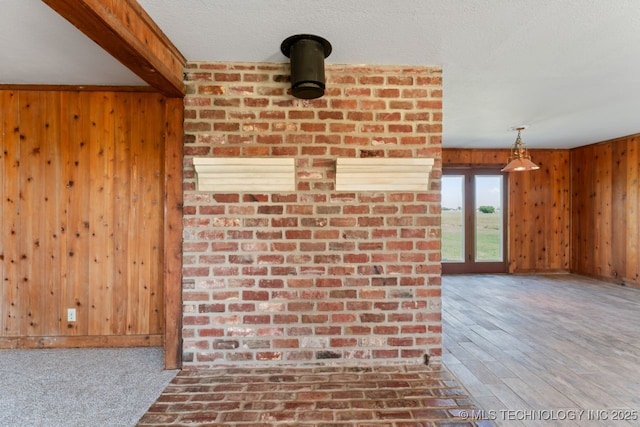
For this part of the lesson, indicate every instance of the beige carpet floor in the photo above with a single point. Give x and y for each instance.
(79, 387)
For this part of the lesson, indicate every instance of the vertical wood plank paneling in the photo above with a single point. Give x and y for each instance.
(579, 177)
(583, 215)
(3, 158)
(632, 207)
(95, 285)
(50, 240)
(605, 210)
(82, 217)
(552, 205)
(518, 237)
(29, 218)
(589, 212)
(109, 134)
(134, 245)
(603, 194)
(561, 210)
(70, 134)
(618, 209)
(99, 209)
(121, 197)
(523, 219)
(78, 205)
(11, 300)
(143, 190)
(153, 207)
(40, 296)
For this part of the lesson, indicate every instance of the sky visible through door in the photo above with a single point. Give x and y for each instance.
(487, 193)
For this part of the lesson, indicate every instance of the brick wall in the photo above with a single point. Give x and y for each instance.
(313, 276)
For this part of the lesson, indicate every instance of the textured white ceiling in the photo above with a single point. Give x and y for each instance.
(38, 46)
(568, 68)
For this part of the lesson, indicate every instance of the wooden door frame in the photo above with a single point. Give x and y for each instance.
(469, 265)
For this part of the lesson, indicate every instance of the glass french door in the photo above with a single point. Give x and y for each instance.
(474, 221)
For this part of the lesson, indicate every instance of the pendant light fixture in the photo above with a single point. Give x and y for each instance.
(519, 158)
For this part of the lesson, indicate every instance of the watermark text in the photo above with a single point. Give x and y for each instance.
(552, 415)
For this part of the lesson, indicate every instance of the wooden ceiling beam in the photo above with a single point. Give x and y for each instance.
(127, 32)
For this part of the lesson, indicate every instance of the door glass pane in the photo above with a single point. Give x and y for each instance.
(453, 218)
(489, 211)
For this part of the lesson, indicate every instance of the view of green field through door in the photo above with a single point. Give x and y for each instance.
(473, 221)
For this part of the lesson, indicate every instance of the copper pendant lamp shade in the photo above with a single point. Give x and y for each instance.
(519, 158)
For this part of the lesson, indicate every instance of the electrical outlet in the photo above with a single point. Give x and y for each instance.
(71, 314)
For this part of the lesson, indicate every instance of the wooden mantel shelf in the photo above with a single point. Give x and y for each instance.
(231, 174)
(383, 174)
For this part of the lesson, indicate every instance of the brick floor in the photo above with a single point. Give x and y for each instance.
(393, 396)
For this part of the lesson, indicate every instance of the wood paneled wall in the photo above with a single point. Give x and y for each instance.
(81, 183)
(538, 208)
(606, 210)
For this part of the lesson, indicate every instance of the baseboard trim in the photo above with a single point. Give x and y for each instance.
(81, 341)
(611, 280)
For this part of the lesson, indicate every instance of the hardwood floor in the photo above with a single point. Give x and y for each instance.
(540, 345)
